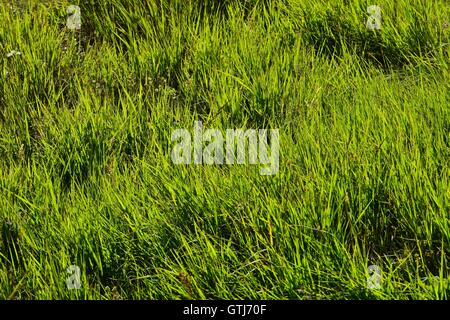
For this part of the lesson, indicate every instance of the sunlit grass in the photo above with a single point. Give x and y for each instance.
(86, 118)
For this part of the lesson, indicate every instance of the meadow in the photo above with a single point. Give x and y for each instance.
(86, 178)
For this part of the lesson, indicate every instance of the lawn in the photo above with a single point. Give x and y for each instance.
(92, 205)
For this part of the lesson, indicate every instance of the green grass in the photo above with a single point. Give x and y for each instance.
(86, 175)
